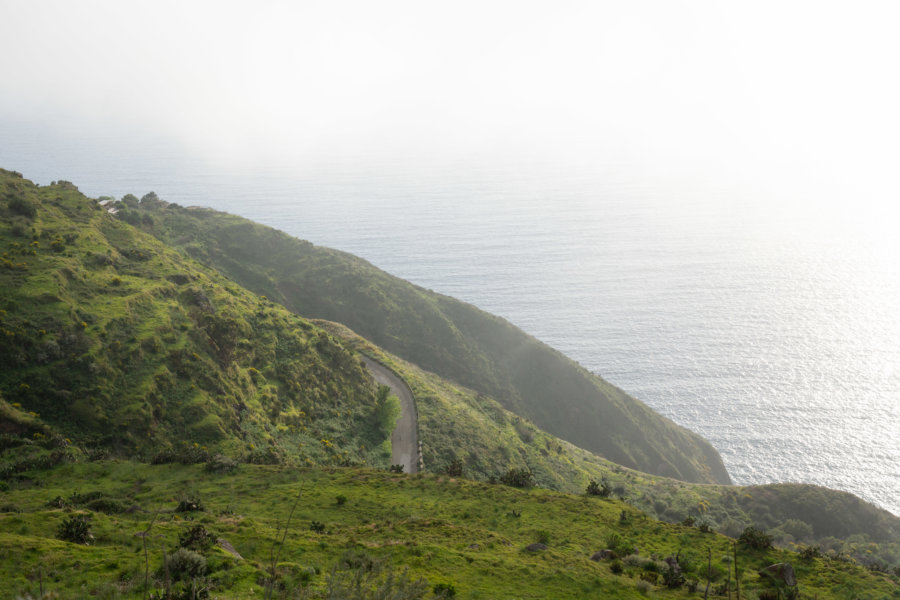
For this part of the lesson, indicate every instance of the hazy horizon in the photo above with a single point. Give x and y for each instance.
(794, 99)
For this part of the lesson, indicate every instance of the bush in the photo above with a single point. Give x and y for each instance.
(317, 527)
(601, 489)
(189, 505)
(811, 552)
(643, 586)
(22, 206)
(221, 464)
(340, 499)
(616, 567)
(185, 564)
(444, 590)
(520, 478)
(396, 468)
(109, 506)
(455, 468)
(756, 539)
(75, 529)
(197, 538)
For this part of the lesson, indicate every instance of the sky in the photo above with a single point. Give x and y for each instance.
(785, 95)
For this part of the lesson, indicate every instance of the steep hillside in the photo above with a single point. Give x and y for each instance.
(445, 336)
(458, 535)
(111, 339)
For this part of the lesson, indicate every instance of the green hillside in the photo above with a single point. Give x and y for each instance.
(112, 343)
(457, 535)
(440, 334)
(113, 340)
(458, 424)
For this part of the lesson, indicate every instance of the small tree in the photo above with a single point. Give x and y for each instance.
(601, 489)
(756, 538)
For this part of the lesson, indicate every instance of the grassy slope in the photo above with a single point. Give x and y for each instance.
(114, 339)
(425, 523)
(458, 423)
(442, 335)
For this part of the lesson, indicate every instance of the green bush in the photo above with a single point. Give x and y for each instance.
(221, 464)
(185, 564)
(601, 489)
(444, 590)
(75, 529)
(616, 567)
(520, 478)
(197, 538)
(189, 505)
(22, 206)
(756, 538)
(455, 468)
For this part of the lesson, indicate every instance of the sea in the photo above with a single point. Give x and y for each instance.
(767, 323)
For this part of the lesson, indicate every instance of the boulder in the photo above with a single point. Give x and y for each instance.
(781, 573)
(537, 547)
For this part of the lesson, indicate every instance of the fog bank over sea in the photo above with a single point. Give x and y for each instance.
(765, 321)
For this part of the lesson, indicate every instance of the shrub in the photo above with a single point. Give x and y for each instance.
(22, 206)
(75, 529)
(317, 527)
(811, 552)
(520, 478)
(340, 499)
(756, 538)
(109, 506)
(396, 468)
(643, 586)
(189, 505)
(616, 567)
(672, 576)
(221, 464)
(185, 564)
(601, 489)
(197, 538)
(455, 468)
(444, 590)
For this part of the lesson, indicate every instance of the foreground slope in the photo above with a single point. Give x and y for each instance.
(469, 433)
(445, 336)
(471, 536)
(114, 340)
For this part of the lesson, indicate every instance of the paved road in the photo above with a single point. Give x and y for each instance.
(404, 440)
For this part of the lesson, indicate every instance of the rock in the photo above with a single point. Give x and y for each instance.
(781, 573)
(473, 546)
(603, 555)
(537, 547)
(227, 547)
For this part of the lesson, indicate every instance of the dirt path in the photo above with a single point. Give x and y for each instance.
(404, 440)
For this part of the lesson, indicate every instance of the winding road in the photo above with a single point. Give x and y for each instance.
(404, 440)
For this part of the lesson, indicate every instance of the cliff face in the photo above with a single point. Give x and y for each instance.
(443, 335)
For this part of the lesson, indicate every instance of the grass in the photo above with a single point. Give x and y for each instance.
(470, 535)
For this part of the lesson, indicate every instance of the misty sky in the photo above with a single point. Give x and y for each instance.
(790, 94)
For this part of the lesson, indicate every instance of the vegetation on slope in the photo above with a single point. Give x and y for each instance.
(111, 339)
(445, 336)
(461, 536)
(471, 434)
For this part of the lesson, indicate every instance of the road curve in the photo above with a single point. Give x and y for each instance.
(404, 440)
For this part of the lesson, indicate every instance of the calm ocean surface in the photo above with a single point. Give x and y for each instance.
(771, 330)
